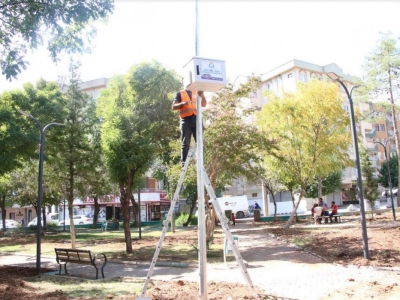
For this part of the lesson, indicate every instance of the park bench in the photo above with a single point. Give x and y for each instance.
(77, 256)
(328, 217)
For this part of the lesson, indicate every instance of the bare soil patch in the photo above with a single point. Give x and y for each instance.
(344, 245)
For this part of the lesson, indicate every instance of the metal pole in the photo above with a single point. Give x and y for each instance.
(64, 215)
(200, 186)
(389, 177)
(40, 184)
(359, 176)
(201, 202)
(39, 200)
(140, 221)
(197, 31)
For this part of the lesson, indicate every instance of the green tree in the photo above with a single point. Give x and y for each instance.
(231, 140)
(382, 68)
(310, 129)
(19, 135)
(383, 177)
(96, 182)
(330, 184)
(370, 183)
(136, 124)
(27, 23)
(73, 157)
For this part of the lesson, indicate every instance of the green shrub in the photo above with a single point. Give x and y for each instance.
(52, 225)
(182, 218)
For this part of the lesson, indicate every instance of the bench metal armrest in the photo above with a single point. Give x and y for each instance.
(96, 257)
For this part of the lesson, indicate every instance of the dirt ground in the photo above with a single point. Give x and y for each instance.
(345, 243)
(344, 247)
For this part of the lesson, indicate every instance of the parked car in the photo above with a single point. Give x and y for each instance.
(34, 222)
(9, 224)
(51, 217)
(78, 220)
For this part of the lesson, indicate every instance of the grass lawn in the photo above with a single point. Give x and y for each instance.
(180, 246)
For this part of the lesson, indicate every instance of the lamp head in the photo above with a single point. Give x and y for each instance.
(24, 113)
(333, 76)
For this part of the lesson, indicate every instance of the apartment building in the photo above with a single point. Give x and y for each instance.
(284, 79)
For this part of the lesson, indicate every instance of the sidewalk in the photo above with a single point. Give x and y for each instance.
(277, 268)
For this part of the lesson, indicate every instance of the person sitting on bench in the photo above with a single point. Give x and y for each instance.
(325, 208)
(318, 211)
(334, 209)
(313, 210)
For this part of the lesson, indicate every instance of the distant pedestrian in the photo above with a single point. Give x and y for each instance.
(256, 206)
(233, 219)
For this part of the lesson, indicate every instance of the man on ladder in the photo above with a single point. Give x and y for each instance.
(185, 102)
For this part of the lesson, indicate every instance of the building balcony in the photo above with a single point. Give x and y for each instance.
(370, 134)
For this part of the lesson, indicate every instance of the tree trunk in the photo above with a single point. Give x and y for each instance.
(319, 187)
(70, 204)
(3, 211)
(135, 206)
(192, 206)
(210, 225)
(289, 222)
(44, 219)
(96, 211)
(125, 200)
(396, 131)
(265, 198)
(275, 207)
(71, 223)
(295, 212)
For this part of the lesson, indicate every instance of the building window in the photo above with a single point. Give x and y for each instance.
(376, 127)
(253, 194)
(382, 127)
(289, 75)
(303, 76)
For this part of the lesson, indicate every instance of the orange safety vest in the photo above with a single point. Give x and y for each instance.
(190, 108)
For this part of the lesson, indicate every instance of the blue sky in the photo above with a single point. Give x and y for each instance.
(251, 36)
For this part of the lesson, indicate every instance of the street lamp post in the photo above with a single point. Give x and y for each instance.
(389, 177)
(40, 182)
(64, 215)
(335, 77)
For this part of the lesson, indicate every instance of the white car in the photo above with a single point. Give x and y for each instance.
(51, 217)
(9, 224)
(78, 220)
(34, 222)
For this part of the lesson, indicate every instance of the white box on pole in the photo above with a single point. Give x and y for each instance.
(204, 74)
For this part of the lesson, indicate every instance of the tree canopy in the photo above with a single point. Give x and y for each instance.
(28, 23)
(330, 184)
(19, 135)
(382, 69)
(383, 177)
(310, 129)
(137, 120)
